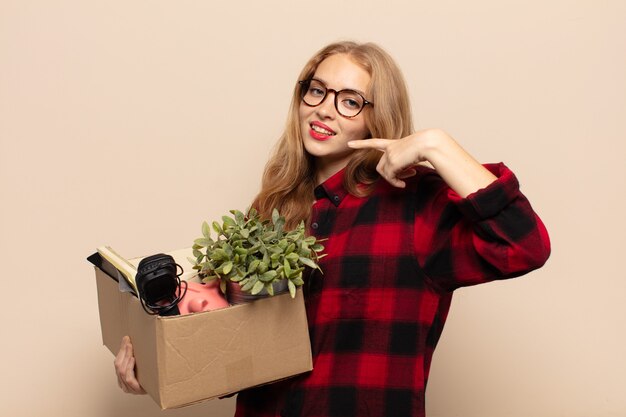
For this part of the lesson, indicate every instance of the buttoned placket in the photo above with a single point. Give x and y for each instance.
(320, 211)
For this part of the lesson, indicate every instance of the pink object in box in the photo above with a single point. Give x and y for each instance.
(202, 297)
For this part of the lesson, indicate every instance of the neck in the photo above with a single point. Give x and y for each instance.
(325, 170)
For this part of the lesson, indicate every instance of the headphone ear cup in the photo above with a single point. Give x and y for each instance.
(158, 283)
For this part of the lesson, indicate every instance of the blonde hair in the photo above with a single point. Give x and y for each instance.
(289, 177)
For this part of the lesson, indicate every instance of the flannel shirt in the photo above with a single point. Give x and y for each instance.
(393, 260)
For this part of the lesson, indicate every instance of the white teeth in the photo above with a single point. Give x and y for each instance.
(321, 130)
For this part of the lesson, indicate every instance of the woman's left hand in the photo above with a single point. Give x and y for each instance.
(459, 169)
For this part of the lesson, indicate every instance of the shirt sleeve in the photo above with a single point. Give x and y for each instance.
(491, 234)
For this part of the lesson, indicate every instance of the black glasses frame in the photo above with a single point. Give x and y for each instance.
(304, 86)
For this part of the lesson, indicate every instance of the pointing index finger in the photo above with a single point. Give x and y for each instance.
(380, 144)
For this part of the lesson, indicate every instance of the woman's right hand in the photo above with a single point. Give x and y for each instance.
(125, 368)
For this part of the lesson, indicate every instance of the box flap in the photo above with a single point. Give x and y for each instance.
(121, 314)
(112, 318)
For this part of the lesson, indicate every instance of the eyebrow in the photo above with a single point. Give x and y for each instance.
(326, 84)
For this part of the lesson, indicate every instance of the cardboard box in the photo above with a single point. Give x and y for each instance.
(183, 360)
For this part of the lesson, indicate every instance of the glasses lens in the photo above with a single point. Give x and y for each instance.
(349, 103)
(313, 92)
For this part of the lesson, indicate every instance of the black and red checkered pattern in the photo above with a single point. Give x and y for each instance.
(393, 260)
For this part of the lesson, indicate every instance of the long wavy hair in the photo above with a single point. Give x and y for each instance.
(289, 177)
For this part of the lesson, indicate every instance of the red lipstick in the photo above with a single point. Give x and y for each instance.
(320, 135)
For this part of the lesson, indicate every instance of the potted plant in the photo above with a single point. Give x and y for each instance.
(254, 256)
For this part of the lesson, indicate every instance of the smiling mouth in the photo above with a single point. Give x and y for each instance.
(321, 130)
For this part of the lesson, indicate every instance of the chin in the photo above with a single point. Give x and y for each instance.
(313, 148)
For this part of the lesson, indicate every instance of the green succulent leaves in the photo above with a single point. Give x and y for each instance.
(255, 253)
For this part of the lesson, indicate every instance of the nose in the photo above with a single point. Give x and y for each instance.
(326, 108)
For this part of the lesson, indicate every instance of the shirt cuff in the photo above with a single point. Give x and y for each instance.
(489, 201)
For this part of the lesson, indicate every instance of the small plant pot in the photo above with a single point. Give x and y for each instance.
(234, 295)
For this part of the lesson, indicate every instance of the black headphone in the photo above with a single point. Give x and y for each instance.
(160, 287)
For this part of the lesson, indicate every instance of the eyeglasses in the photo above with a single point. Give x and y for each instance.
(348, 103)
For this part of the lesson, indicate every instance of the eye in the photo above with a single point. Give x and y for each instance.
(350, 100)
(351, 104)
(316, 91)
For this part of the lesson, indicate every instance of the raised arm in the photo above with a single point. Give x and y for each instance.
(472, 224)
(492, 233)
(458, 168)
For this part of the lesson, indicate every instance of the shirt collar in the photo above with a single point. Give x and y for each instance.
(332, 188)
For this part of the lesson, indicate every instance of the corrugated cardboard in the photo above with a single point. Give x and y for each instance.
(186, 359)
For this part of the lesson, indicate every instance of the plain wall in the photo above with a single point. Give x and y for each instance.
(128, 123)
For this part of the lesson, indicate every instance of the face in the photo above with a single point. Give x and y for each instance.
(325, 132)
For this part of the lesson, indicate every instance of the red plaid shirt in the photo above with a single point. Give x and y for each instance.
(393, 260)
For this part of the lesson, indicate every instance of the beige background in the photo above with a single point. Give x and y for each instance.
(130, 122)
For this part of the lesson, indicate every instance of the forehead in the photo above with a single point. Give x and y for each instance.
(340, 72)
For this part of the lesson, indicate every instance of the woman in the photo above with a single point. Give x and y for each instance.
(409, 218)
